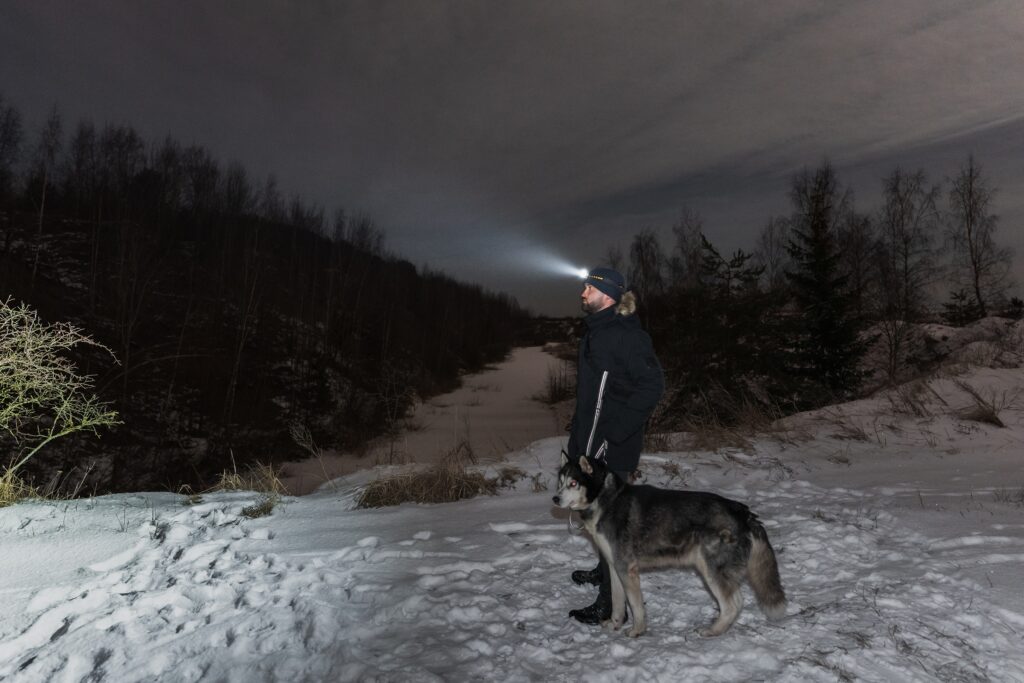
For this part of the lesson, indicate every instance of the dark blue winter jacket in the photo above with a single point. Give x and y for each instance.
(616, 343)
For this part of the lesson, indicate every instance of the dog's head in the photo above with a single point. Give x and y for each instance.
(579, 482)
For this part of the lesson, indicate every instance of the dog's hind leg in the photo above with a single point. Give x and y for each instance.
(726, 590)
(636, 600)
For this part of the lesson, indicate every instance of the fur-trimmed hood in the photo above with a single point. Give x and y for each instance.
(627, 305)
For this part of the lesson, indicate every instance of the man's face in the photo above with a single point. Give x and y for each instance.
(593, 300)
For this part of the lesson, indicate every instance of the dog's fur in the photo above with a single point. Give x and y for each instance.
(637, 527)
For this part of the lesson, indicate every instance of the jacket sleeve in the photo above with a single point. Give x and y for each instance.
(647, 381)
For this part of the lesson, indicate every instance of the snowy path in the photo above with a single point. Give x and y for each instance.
(479, 590)
(494, 412)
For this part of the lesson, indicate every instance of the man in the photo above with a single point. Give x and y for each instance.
(618, 383)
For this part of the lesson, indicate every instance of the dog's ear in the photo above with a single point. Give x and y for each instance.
(585, 465)
(565, 460)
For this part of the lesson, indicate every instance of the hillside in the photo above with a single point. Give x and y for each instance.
(229, 329)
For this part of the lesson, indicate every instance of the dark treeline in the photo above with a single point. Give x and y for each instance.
(235, 313)
(787, 325)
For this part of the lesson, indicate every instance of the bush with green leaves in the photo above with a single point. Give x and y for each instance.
(42, 396)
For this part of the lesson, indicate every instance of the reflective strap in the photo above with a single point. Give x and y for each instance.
(597, 412)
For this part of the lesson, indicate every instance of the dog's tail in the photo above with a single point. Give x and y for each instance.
(763, 573)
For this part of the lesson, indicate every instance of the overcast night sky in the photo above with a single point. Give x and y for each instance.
(483, 136)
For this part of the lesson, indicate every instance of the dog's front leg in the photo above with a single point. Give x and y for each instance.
(618, 599)
(615, 582)
(636, 600)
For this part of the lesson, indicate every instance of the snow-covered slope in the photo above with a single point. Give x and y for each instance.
(898, 521)
(901, 560)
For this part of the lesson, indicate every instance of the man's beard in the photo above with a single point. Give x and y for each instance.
(590, 306)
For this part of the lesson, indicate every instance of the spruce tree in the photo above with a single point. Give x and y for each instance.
(825, 348)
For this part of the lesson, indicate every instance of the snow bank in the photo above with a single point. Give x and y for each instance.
(898, 523)
(889, 572)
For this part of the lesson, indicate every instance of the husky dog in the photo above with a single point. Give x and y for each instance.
(637, 527)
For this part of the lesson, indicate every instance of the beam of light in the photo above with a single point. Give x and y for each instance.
(544, 260)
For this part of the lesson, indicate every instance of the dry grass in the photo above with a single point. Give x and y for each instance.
(562, 350)
(662, 442)
(673, 473)
(259, 477)
(191, 497)
(260, 509)
(1010, 497)
(263, 479)
(728, 421)
(711, 434)
(909, 399)
(986, 409)
(846, 429)
(304, 439)
(444, 482)
(13, 489)
(508, 475)
(560, 383)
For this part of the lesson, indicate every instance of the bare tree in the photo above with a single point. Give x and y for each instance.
(364, 234)
(168, 164)
(46, 159)
(613, 257)
(10, 149)
(122, 156)
(684, 263)
(771, 254)
(339, 225)
(908, 223)
(136, 269)
(202, 181)
(270, 204)
(10, 144)
(239, 198)
(977, 258)
(247, 305)
(80, 166)
(645, 265)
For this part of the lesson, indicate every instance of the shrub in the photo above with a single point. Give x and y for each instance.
(444, 482)
(42, 397)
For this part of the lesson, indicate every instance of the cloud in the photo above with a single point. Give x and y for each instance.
(456, 123)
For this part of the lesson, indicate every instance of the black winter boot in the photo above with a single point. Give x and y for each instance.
(585, 576)
(601, 609)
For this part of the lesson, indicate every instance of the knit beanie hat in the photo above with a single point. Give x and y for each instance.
(608, 281)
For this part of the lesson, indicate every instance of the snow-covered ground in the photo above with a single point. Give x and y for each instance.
(898, 523)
